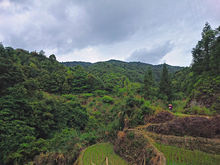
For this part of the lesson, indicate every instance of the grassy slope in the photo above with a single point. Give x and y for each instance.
(97, 153)
(180, 156)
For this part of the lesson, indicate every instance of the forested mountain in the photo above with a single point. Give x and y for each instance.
(134, 71)
(50, 112)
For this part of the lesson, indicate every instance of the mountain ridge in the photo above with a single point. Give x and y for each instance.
(134, 71)
(113, 60)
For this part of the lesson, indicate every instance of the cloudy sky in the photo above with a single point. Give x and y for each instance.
(150, 31)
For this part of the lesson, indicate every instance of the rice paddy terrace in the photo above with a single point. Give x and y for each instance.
(188, 140)
(160, 142)
(98, 154)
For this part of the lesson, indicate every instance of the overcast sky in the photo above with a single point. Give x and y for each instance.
(150, 31)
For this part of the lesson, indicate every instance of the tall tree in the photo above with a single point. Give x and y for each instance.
(165, 84)
(201, 53)
(215, 54)
(148, 83)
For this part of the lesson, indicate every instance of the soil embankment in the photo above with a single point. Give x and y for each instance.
(190, 132)
(137, 149)
(195, 126)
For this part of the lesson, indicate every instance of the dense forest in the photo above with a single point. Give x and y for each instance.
(50, 111)
(134, 71)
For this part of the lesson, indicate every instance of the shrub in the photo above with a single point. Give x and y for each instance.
(88, 138)
(130, 135)
(70, 97)
(132, 101)
(63, 149)
(121, 92)
(99, 92)
(178, 106)
(146, 109)
(63, 140)
(112, 129)
(216, 106)
(108, 99)
(86, 95)
(199, 110)
(178, 95)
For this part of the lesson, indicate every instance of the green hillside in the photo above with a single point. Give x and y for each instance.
(49, 112)
(134, 71)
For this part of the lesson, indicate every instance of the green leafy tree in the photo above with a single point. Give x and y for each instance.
(148, 84)
(201, 53)
(214, 64)
(165, 89)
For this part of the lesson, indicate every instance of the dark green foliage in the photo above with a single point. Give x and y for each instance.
(132, 101)
(134, 71)
(81, 82)
(134, 110)
(61, 140)
(53, 111)
(64, 148)
(146, 109)
(148, 78)
(149, 84)
(76, 115)
(183, 81)
(205, 51)
(88, 138)
(130, 135)
(165, 90)
(100, 92)
(204, 84)
(200, 83)
(107, 99)
(29, 115)
(47, 115)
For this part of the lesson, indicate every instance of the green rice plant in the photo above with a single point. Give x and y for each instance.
(181, 156)
(97, 154)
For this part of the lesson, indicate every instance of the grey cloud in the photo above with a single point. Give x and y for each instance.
(151, 56)
(39, 24)
(104, 22)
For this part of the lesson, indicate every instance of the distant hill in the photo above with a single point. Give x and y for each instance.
(76, 63)
(133, 70)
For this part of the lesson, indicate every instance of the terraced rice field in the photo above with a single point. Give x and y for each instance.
(96, 155)
(181, 156)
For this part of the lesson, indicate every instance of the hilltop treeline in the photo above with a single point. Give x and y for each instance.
(134, 71)
(201, 81)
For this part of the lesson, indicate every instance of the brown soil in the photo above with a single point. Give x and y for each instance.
(161, 117)
(51, 159)
(136, 149)
(190, 126)
(192, 143)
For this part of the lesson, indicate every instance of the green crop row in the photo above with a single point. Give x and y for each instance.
(97, 154)
(181, 156)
